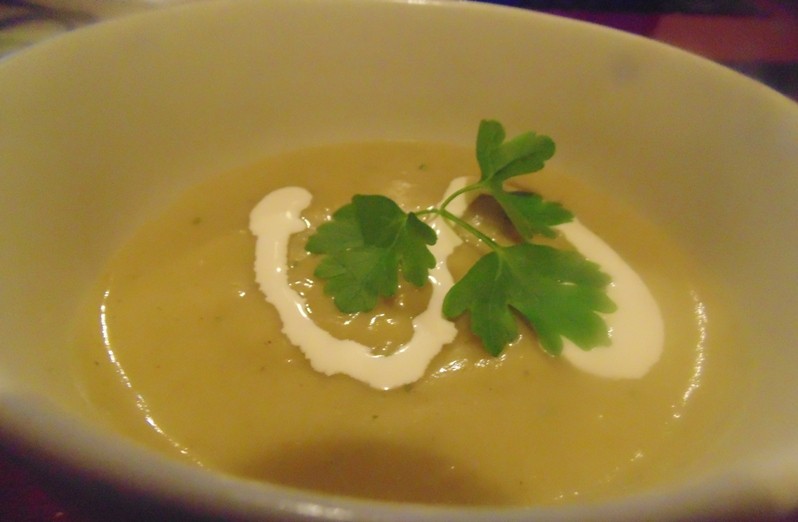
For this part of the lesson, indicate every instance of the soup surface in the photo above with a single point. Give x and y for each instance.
(180, 350)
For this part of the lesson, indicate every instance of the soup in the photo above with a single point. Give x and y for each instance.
(179, 349)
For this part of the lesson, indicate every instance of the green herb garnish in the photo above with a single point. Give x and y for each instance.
(370, 241)
(366, 243)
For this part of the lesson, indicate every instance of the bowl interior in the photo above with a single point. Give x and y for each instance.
(104, 126)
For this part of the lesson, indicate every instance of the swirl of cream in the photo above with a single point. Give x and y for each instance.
(636, 328)
(272, 221)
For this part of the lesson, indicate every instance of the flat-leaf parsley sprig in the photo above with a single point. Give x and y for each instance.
(371, 240)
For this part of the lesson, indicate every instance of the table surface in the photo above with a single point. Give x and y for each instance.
(758, 38)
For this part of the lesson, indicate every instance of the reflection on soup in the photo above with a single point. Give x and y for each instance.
(180, 350)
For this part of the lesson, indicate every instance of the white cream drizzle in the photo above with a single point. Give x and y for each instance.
(273, 221)
(636, 328)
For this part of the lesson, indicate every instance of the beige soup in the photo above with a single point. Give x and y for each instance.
(180, 350)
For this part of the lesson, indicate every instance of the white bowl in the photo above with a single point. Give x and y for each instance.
(89, 123)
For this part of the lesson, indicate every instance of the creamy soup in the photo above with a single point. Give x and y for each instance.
(180, 350)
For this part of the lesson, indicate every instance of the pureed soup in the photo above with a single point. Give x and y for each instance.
(181, 350)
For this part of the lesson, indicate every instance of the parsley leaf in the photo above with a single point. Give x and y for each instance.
(342, 232)
(500, 160)
(365, 245)
(530, 213)
(558, 292)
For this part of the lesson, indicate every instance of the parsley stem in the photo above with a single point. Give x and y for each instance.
(467, 226)
(441, 211)
(467, 188)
